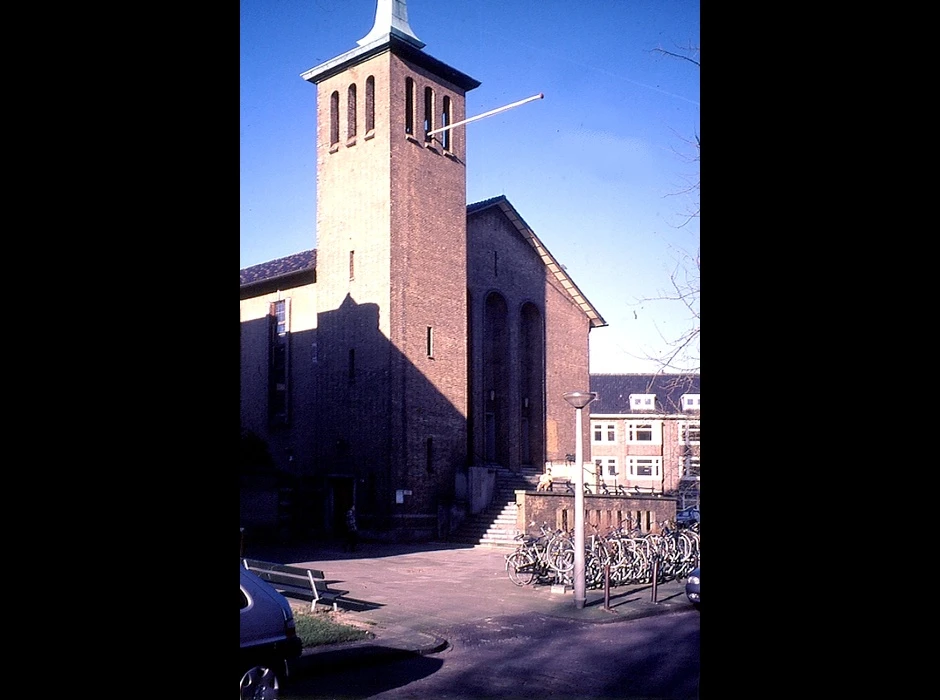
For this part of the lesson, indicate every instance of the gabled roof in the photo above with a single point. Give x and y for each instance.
(553, 267)
(613, 392)
(307, 260)
(273, 269)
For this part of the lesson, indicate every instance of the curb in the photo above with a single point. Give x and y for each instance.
(384, 647)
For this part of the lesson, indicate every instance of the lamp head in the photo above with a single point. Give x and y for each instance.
(580, 399)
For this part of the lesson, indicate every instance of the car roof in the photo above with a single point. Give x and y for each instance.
(257, 588)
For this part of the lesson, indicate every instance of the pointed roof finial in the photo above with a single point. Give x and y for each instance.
(391, 17)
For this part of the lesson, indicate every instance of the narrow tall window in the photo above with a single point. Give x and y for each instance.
(351, 112)
(495, 264)
(409, 106)
(334, 118)
(428, 112)
(352, 265)
(279, 362)
(430, 341)
(445, 121)
(281, 319)
(370, 104)
(352, 365)
(429, 455)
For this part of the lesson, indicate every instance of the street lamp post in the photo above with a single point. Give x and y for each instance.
(579, 399)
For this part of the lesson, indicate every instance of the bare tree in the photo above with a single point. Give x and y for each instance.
(682, 353)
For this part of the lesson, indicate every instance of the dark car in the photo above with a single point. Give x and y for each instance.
(268, 638)
(692, 584)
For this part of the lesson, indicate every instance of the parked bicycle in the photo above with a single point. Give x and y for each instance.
(625, 553)
(547, 558)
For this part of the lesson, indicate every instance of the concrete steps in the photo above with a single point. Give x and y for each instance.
(496, 526)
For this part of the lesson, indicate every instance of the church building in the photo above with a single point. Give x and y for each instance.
(424, 342)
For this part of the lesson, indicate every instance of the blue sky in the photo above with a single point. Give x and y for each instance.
(598, 168)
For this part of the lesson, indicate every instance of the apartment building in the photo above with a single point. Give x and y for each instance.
(646, 434)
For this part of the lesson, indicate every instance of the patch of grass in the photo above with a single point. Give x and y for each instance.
(316, 629)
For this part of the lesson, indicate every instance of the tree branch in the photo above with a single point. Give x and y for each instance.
(684, 57)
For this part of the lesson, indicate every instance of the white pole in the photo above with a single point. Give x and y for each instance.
(579, 594)
(485, 114)
(579, 399)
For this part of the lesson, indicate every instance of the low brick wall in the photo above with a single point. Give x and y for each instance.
(557, 510)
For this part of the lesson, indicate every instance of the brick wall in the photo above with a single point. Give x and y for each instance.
(557, 510)
(401, 206)
(503, 263)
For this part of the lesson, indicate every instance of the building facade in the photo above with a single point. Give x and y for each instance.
(422, 337)
(646, 434)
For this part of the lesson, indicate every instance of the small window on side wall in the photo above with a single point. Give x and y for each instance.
(280, 310)
(279, 363)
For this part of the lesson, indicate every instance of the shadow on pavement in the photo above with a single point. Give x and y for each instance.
(354, 605)
(346, 675)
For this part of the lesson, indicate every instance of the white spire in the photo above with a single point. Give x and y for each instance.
(391, 17)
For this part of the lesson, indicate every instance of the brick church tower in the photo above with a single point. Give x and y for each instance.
(391, 349)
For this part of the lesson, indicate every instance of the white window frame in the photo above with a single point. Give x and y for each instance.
(605, 427)
(283, 324)
(633, 428)
(689, 468)
(688, 429)
(691, 402)
(655, 464)
(642, 402)
(607, 467)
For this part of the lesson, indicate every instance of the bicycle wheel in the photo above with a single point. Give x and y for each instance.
(521, 568)
(560, 555)
(636, 561)
(621, 561)
(593, 570)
